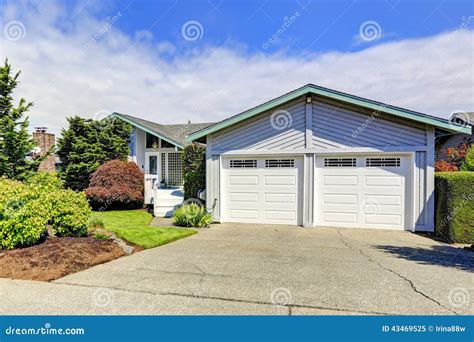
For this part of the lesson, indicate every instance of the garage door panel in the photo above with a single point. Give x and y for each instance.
(284, 198)
(340, 180)
(381, 180)
(243, 180)
(244, 197)
(384, 199)
(383, 219)
(280, 180)
(244, 214)
(342, 198)
(339, 218)
(280, 215)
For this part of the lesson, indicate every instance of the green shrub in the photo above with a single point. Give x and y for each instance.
(194, 170)
(27, 209)
(468, 163)
(46, 181)
(23, 224)
(23, 215)
(192, 215)
(455, 206)
(70, 214)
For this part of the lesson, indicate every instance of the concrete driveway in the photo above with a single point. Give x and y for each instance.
(254, 269)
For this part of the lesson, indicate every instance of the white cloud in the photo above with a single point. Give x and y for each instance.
(64, 75)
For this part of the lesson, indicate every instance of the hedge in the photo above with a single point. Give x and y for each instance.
(194, 170)
(455, 206)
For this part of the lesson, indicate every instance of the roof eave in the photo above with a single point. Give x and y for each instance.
(146, 129)
(333, 95)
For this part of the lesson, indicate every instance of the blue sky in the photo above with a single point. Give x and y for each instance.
(170, 61)
(320, 26)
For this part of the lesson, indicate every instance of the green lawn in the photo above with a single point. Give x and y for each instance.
(134, 226)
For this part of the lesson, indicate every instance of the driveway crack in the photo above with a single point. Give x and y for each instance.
(412, 285)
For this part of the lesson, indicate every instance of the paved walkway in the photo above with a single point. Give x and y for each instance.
(254, 269)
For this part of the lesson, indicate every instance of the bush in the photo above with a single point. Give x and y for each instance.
(455, 206)
(194, 170)
(116, 185)
(23, 215)
(47, 181)
(444, 166)
(70, 214)
(192, 215)
(26, 210)
(468, 163)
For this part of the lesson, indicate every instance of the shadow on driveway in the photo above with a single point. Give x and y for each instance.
(446, 256)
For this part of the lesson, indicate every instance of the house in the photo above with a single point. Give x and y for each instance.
(311, 157)
(157, 149)
(320, 157)
(453, 140)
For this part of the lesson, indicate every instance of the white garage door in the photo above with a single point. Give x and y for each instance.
(362, 191)
(262, 190)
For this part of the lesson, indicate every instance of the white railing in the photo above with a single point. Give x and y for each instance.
(151, 183)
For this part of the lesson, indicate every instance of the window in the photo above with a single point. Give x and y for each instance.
(165, 144)
(279, 163)
(151, 141)
(247, 163)
(382, 162)
(153, 165)
(339, 162)
(175, 169)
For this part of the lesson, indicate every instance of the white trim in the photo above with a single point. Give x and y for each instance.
(354, 150)
(308, 190)
(430, 161)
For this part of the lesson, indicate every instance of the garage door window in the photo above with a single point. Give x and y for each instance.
(382, 162)
(243, 163)
(279, 163)
(340, 162)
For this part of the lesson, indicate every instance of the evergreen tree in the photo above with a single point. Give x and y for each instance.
(87, 144)
(15, 141)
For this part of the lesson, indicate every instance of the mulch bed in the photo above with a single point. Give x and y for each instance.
(57, 257)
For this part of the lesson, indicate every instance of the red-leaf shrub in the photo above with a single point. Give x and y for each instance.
(444, 166)
(116, 185)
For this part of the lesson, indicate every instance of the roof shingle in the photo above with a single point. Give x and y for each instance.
(176, 133)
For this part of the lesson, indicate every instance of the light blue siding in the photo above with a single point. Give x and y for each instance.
(337, 127)
(285, 130)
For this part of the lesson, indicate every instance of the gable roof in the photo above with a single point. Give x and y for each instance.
(463, 118)
(174, 134)
(335, 95)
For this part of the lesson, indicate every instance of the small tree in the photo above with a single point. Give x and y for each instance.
(454, 158)
(87, 144)
(194, 170)
(116, 185)
(15, 141)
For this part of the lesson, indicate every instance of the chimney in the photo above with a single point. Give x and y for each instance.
(45, 141)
